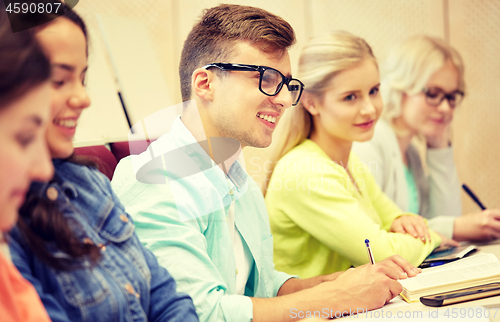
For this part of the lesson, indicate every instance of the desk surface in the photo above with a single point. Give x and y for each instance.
(491, 305)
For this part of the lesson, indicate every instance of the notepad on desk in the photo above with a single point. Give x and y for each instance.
(467, 272)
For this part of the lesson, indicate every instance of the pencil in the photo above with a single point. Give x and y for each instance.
(369, 250)
(473, 196)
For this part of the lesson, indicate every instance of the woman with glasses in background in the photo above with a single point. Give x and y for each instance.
(422, 85)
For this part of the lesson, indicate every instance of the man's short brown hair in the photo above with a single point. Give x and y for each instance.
(212, 38)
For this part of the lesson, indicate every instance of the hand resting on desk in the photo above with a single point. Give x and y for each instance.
(481, 226)
(412, 225)
(417, 227)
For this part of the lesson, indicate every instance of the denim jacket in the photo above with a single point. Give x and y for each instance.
(126, 284)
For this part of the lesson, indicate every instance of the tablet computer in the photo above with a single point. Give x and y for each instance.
(443, 256)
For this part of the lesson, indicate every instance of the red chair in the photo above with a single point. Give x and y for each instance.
(126, 148)
(105, 160)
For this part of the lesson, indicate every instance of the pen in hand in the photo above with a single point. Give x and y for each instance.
(473, 196)
(369, 250)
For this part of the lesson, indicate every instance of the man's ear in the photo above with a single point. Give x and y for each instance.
(310, 103)
(201, 83)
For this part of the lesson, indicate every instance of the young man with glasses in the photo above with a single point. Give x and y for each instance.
(208, 224)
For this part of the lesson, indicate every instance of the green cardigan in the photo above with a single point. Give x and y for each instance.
(320, 220)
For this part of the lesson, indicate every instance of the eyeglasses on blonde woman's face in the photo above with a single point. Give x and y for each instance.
(431, 111)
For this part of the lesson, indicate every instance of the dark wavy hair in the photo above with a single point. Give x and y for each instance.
(42, 223)
(23, 65)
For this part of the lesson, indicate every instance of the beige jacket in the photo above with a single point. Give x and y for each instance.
(439, 191)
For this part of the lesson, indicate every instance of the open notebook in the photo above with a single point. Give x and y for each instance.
(467, 272)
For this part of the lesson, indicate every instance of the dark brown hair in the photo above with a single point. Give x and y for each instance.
(212, 38)
(23, 65)
(43, 224)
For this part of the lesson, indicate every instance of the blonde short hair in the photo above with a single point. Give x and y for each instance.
(409, 67)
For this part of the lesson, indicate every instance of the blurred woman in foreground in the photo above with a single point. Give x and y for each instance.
(24, 114)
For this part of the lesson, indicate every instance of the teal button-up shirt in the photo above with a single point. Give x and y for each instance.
(179, 200)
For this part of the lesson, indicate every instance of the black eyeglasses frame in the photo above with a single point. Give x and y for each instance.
(447, 96)
(261, 70)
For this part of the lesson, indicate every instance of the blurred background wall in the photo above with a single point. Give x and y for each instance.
(145, 39)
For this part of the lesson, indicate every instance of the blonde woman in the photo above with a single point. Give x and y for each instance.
(422, 85)
(322, 201)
